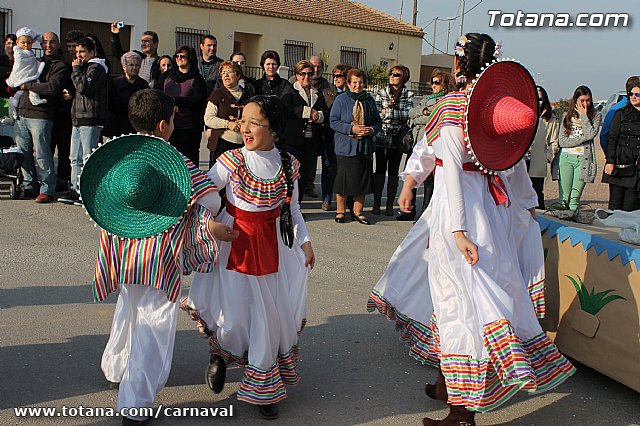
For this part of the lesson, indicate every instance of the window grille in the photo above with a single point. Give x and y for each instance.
(295, 51)
(354, 56)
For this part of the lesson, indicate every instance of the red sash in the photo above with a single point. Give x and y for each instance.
(497, 188)
(255, 251)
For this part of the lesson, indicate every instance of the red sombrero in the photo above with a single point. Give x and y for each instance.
(502, 115)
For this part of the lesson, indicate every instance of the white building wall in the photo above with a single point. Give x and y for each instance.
(44, 15)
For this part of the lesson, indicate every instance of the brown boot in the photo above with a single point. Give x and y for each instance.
(438, 390)
(458, 416)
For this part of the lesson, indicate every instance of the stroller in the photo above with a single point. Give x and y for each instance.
(11, 159)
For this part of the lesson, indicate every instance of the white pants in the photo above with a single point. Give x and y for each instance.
(140, 348)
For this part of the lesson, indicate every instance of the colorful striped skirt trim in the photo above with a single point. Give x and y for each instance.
(481, 385)
(534, 365)
(257, 386)
(536, 292)
(423, 341)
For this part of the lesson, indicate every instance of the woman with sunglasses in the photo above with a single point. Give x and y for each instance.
(339, 86)
(393, 102)
(545, 145)
(577, 162)
(307, 112)
(441, 84)
(185, 84)
(623, 154)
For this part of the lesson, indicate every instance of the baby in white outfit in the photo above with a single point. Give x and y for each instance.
(26, 68)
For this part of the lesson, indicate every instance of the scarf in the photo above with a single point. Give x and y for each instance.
(395, 95)
(363, 113)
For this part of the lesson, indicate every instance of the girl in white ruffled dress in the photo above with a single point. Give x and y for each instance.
(253, 305)
(460, 286)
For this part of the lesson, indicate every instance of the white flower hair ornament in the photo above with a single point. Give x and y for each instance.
(459, 50)
(498, 52)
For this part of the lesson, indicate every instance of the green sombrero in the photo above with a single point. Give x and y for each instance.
(135, 186)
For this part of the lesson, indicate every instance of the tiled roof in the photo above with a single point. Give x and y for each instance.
(333, 12)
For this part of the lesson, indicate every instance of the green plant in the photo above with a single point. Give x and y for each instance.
(592, 302)
(378, 72)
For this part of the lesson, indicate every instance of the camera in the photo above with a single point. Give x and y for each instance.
(120, 24)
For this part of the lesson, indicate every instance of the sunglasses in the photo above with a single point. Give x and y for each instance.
(637, 94)
(304, 73)
(435, 82)
(338, 76)
(395, 74)
(180, 55)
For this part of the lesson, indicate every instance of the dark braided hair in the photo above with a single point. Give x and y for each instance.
(276, 113)
(478, 52)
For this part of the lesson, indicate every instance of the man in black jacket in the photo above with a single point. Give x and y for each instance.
(88, 110)
(150, 67)
(34, 124)
(209, 63)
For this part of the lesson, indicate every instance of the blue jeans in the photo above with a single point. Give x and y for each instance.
(84, 139)
(33, 137)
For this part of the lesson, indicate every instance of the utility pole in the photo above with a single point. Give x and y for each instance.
(448, 33)
(415, 12)
(461, 16)
(433, 45)
(401, 7)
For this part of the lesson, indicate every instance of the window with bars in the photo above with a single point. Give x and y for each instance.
(190, 37)
(295, 51)
(354, 56)
(6, 18)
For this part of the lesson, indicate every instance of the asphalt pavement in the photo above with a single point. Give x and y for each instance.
(353, 368)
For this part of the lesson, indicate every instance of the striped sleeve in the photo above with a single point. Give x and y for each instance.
(449, 111)
(295, 167)
(199, 249)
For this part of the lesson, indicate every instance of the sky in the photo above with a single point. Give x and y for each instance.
(560, 59)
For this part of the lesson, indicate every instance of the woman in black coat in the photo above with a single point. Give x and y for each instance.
(271, 83)
(623, 155)
(307, 114)
(120, 91)
(185, 84)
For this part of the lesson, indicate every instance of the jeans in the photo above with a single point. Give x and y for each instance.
(621, 198)
(571, 186)
(33, 137)
(84, 139)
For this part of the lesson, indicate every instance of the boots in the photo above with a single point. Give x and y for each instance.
(377, 181)
(458, 416)
(438, 390)
(392, 189)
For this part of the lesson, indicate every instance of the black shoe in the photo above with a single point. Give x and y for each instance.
(406, 217)
(31, 193)
(71, 197)
(268, 412)
(216, 373)
(340, 217)
(362, 219)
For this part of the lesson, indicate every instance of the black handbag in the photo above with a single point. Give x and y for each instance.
(405, 137)
(624, 170)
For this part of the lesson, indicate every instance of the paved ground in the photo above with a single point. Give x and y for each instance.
(353, 368)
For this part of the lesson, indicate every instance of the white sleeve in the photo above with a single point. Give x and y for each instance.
(299, 227)
(521, 187)
(219, 175)
(211, 201)
(211, 118)
(421, 162)
(452, 141)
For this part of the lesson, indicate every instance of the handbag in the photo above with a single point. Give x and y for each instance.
(624, 170)
(405, 137)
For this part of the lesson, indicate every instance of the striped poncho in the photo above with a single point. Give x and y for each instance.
(161, 260)
(449, 111)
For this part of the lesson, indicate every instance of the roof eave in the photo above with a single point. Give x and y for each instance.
(200, 3)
